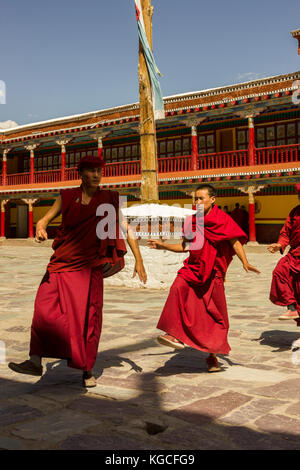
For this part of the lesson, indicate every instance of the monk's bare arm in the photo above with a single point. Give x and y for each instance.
(160, 245)
(134, 246)
(41, 226)
(239, 250)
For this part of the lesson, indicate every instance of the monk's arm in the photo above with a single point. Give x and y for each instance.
(284, 238)
(239, 250)
(160, 245)
(134, 246)
(43, 223)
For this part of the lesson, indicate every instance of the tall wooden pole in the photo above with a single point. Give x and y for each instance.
(149, 177)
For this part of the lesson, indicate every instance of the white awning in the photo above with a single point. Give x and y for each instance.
(157, 210)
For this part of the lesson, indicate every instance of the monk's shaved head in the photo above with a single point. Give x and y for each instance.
(210, 189)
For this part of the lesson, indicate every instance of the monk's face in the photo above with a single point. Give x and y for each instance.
(91, 177)
(202, 197)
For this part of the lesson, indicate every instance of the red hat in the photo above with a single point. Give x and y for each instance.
(90, 162)
(297, 186)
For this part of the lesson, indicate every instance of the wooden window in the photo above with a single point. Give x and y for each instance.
(277, 134)
(206, 143)
(174, 147)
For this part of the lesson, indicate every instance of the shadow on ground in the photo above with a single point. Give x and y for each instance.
(282, 340)
(103, 423)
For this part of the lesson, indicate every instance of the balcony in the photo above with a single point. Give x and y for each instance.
(230, 160)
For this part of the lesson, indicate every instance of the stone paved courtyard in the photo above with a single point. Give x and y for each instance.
(148, 396)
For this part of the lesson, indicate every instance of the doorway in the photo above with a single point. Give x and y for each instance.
(225, 140)
(22, 221)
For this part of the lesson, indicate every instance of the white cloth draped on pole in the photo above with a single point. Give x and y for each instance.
(158, 102)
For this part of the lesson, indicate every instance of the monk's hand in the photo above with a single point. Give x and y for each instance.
(248, 267)
(140, 270)
(40, 234)
(274, 247)
(155, 244)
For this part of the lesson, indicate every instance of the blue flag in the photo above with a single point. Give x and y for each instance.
(158, 102)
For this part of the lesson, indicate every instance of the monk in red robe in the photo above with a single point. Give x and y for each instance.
(285, 287)
(88, 247)
(195, 312)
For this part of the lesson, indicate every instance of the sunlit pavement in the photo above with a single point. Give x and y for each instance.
(149, 396)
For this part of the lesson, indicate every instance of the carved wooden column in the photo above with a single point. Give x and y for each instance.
(63, 144)
(4, 167)
(31, 148)
(3, 202)
(249, 113)
(99, 136)
(193, 123)
(30, 203)
(251, 190)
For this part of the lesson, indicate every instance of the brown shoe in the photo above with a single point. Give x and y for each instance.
(168, 340)
(213, 364)
(289, 315)
(88, 380)
(26, 367)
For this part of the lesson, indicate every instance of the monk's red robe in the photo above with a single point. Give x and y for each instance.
(285, 287)
(68, 307)
(195, 311)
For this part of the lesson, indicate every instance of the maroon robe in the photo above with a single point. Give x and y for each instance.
(285, 287)
(195, 311)
(68, 307)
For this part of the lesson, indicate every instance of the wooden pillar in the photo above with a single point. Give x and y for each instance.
(3, 202)
(63, 144)
(251, 190)
(30, 203)
(251, 146)
(193, 124)
(4, 167)
(31, 148)
(194, 160)
(149, 176)
(100, 148)
(99, 136)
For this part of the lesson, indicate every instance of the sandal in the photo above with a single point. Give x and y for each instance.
(168, 340)
(213, 364)
(88, 379)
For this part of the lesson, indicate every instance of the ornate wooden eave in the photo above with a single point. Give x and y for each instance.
(127, 116)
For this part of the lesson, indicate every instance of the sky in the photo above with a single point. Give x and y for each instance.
(66, 57)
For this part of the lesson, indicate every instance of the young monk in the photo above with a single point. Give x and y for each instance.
(68, 307)
(285, 287)
(195, 312)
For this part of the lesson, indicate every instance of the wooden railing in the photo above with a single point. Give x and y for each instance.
(71, 174)
(17, 179)
(282, 154)
(231, 159)
(173, 164)
(210, 161)
(122, 168)
(47, 176)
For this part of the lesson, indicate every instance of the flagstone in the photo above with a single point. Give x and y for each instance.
(210, 408)
(54, 427)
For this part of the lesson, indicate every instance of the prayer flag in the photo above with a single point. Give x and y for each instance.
(158, 103)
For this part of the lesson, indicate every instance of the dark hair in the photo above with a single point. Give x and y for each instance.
(210, 189)
(237, 205)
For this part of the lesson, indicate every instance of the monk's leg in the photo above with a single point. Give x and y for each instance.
(47, 324)
(197, 316)
(166, 321)
(93, 325)
(282, 289)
